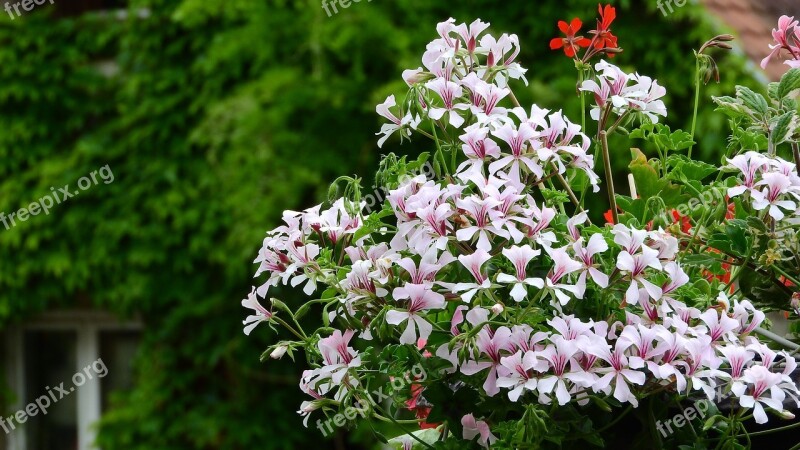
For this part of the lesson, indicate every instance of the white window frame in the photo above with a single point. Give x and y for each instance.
(87, 325)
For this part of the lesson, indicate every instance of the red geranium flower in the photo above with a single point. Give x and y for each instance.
(603, 37)
(572, 43)
(609, 217)
(420, 411)
(686, 225)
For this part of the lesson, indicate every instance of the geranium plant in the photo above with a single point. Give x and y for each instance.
(480, 305)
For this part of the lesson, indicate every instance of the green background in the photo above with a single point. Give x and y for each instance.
(221, 114)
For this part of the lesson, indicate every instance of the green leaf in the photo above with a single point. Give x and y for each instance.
(662, 136)
(772, 91)
(686, 170)
(711, 421)
(429, 436)
(731, 107)
(601, 403)
(790, 81)
(752, 100)
(554, 197)
(633, 207)
(641, 132)
(734, 238)
(648, 182)
(758, 224)
(784, 128)
(762, 288)
(703, 286)
(748, 139)
(677, 140)
(703, 261)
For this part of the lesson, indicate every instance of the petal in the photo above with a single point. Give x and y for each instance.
(575, 26)
(490, 385)
(562, 394)
(759, 414)
(395, 317)
(506, 278)
(654, 291)
(546, 384)
(410, 335)
(632, 294)
(599, 277)
(425, 328)
(519, 292)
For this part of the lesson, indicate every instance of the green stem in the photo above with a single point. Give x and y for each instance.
(403, 429)
(581, 79)
(788, 277)
(439, 152)
(696, 101)
(288, 327)
(697, 226)
(616, 420)
(618, 122)
(652, 424)
(796, 153)
(739, 270)
(612, 198)
(774, 430)
(514, 99)
(390, 420)
(569, 190)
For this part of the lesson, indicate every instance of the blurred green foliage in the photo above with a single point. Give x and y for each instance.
(219, 115)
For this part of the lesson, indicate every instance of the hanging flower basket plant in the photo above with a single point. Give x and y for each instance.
(478, 304)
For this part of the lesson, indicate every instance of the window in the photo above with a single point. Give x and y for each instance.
(78, 7)
(49, 359)
(41, 355)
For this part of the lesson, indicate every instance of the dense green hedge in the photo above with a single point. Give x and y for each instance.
(224, 113)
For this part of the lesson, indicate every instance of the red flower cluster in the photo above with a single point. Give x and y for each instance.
(603, 40)
(421, 411)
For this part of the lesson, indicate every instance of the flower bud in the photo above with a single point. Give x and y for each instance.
(723, 45)
(497, 309)
(724, 38)
(278, 352)
(722, 302)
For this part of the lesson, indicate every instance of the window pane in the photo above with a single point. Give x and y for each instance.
(77, 7)
(50, 360)
(117, 350)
